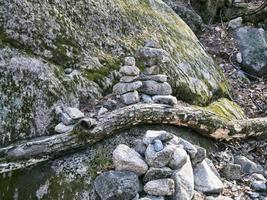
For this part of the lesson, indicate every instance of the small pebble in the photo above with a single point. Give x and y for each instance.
(158, 146)
(68, 70)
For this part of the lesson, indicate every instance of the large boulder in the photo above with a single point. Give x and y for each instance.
(191, 18)
(39, 41)
(252, 43)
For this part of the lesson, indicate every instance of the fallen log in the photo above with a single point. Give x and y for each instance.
(196, 118)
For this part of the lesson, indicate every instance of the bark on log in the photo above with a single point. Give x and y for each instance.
(202, 121)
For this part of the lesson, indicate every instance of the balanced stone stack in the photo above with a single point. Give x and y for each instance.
(155, 88)
(68, 117)
(166, 166)
(129, 83)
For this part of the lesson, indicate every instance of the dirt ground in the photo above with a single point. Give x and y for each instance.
(248, 91)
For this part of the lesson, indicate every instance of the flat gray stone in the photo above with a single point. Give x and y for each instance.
(130, 98)
(119, 185)
(184, 182)
(160, 187)
(205, 179)
(157, 173)
(158, 159)
(128, 79)
(129, 70)
(155, 88)
(122, 88)
(159, 78)
(247, 166)
(74, 113)
(62, 128)
(126, 158)
(165, 99)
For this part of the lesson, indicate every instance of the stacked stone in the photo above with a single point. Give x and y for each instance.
(129, 83)
(155, 87)
(168, 167)
(68, 117)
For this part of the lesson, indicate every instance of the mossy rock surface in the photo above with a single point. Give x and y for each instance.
(91, 37)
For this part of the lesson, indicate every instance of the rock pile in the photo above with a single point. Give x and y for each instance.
(160, 166)
(155, 88)
(68, 117)
(129, 83)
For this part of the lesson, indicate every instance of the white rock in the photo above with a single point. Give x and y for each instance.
(184, 182)
(239, 57)
(62, 128)
(178, 159)
(160, 187)
(152, 135)
(235, 23)
(102, 111)
(205, 179)
(125, 158)
(74, 113)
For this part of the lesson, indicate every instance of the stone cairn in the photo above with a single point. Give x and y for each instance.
(155, 88)
(129, 83)
(160, 166)
(150, 85)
